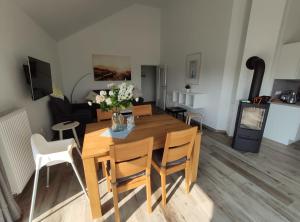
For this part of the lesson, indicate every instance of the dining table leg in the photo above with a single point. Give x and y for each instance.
(91, 179)
(195, 157)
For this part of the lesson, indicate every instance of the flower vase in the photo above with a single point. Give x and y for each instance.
(117, 120)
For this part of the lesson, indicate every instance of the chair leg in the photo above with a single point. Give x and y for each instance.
(187, 177)
(36, 178)
(79, 179)
(104, 172)
(148, 191)
(187, 119)
(190, 119)
(116, 203)
(201, 128)
(76, 138)
(48, 176)
(163, 189)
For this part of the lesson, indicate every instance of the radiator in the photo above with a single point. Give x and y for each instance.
(15, 149)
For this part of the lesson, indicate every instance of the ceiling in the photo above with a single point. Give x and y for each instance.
(61, 18)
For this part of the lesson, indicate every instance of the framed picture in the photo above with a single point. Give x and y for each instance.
(111, 68)
(193, 68)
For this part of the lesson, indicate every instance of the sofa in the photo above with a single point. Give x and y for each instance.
(62, 110)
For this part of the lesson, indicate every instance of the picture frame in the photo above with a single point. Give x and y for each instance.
(193, 68)
(111, 68)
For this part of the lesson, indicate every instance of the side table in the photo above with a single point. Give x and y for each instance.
(176, 110)
(60, 127)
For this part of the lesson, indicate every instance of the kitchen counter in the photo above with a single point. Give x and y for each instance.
(283, 123)
(297, 104)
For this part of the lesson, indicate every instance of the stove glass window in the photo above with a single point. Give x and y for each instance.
(252, 118)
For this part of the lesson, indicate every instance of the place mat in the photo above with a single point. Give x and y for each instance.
(118, 135)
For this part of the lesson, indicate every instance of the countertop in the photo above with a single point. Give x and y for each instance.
(286, 104)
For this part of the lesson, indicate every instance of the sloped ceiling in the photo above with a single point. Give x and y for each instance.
(61, 18)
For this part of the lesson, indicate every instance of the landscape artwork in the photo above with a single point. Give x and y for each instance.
(111, 68)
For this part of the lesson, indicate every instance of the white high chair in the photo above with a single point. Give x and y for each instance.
(48, 154)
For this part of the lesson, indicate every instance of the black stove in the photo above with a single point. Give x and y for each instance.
(252, 113)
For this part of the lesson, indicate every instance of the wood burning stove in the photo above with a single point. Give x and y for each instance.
(249, 126)
(252, 114)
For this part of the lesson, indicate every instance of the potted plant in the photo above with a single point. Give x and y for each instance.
(188, 88)
(119, 97)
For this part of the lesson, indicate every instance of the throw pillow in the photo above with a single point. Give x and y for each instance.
(57, 93)
(91, 96)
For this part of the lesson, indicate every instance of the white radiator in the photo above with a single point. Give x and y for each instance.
(15, 149)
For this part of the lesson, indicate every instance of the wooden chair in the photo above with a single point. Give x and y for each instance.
(142, 110)
(174, 157)
(130, 168)
(101, 115)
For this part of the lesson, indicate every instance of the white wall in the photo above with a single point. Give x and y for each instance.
(149, 83)
(262, 39)
(197, 26)
(21, 37)
(134, 32)
(234, 55)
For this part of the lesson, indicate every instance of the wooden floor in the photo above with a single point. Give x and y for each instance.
(231, 187)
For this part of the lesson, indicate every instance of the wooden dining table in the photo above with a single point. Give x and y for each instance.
(96, 148)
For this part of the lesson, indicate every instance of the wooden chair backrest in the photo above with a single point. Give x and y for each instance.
(131, 158)
(142, 110)
(101, 115)
(179, 144)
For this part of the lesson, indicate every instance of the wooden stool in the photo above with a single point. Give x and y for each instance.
(191, 116)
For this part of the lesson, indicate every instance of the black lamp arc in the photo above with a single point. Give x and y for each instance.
(76, 84)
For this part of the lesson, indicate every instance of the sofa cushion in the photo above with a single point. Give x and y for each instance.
(91, 96)
(57, 93)
(61, 106)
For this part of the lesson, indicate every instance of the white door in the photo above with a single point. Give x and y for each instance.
(161, 87)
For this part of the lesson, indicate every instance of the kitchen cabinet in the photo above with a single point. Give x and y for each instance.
(283, 123)
(288, 64)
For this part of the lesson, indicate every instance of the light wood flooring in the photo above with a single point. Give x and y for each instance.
(231, 186)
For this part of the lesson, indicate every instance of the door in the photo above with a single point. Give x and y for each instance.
(161, 87)
(149, 82)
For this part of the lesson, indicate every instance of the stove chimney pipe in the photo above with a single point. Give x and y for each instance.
(258, 65)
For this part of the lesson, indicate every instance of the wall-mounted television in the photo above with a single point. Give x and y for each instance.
(38, 76)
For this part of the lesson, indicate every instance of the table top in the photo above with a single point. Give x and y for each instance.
(156, 126)
(62, 126)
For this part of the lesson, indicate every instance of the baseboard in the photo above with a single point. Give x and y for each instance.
(213, 129)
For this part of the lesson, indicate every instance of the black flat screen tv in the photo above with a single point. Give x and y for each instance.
(38, 75)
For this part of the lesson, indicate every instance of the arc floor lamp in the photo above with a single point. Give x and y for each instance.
(76, 84)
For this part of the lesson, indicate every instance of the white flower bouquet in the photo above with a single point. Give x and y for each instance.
(117, 98)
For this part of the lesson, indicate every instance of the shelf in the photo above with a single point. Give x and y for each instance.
(192, 100)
